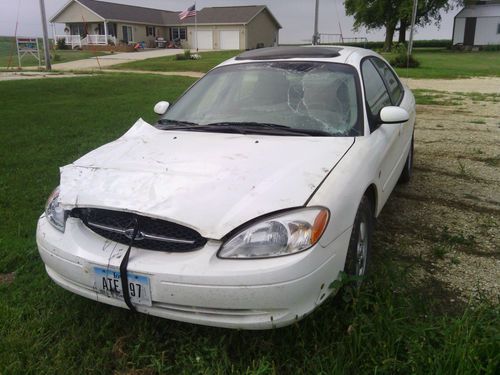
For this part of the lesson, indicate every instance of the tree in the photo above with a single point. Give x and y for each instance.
(428, 11)
(375, 14)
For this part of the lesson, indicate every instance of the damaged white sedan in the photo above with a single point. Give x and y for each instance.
(246, 200)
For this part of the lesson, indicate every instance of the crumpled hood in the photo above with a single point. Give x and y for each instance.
(211, 182)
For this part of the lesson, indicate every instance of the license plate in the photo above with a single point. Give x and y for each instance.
(108, 282)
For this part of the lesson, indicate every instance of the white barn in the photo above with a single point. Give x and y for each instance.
(477, 24)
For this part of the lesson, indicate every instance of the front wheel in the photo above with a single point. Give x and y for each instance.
(408, 168)
(358, 253)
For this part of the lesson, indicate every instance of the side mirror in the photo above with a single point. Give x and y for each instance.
(161, 107)
(393, 115)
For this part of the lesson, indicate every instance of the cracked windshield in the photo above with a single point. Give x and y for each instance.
(316, 98)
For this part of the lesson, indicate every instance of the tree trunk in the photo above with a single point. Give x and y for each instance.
(389, 35)
(403, 26)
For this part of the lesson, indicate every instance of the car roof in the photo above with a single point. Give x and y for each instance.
(334, 53)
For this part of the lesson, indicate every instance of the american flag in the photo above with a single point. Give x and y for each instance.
(189, 12)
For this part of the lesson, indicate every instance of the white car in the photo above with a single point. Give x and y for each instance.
(247, 199)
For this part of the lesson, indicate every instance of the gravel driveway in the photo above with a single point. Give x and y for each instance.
(444, 225)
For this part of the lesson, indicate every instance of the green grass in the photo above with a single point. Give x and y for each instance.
(441, 63)
(435, 63)
(8, 48)
(170, 64)
(391, 327)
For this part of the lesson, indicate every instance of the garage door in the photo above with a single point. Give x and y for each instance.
(205, 40)
(229, 39)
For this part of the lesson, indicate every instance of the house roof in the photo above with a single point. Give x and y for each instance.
(137, 14)
(229, 14)
(122, 12)
(480, 10)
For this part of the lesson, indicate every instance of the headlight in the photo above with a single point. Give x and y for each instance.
(283, 234)
(54, 212)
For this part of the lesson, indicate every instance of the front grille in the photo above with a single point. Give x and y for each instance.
(153, 234)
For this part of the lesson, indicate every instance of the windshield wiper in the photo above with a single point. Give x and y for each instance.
(240, 128)
(249, 124)
(175, 124)
(269, 128)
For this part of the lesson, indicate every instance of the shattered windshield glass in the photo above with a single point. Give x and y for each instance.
(308, 96)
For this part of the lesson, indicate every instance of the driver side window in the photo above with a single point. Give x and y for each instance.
(376, 93)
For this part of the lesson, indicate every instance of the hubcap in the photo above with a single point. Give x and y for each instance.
(362, 249)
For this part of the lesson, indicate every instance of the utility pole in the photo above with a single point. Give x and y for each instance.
(46, 45)
(315, 38)
(413, 20)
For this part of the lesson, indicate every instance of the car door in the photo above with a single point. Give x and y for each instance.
(385, 138)
(398, 98)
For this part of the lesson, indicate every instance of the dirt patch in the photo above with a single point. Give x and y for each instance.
(444, 224)
(7, 278)
(478, 84)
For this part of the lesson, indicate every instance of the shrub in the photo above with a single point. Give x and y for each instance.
(56, 57)
(434, 43)
(491, 48)
(61, 44)
(184, 56)
(401, 60)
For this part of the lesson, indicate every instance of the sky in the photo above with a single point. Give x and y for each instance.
(296, 17)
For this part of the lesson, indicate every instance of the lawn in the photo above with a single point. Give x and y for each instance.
(391, 327)
(435, 63)
(8, 54)
(440, 63)
(170, 64)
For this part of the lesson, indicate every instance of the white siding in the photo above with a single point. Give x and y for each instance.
(486, 31)
(458, 36)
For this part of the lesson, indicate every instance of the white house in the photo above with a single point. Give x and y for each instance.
(477, 24)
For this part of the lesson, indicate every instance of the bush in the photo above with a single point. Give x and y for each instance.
(184, 56)
(61, 44)
(401, 60)
(434, 43)
(491, 48)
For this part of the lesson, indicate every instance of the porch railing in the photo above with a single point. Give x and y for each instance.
(71, 40)
(78, 41)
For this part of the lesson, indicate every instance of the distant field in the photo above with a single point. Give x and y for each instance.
(8, 54)
(435, 63)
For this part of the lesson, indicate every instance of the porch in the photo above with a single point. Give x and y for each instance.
(77, 41)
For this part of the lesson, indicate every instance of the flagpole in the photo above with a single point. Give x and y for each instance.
(196, 24)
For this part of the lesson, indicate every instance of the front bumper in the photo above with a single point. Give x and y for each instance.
(197, 287)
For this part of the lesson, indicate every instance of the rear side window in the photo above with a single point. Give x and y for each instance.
(390, 79)
(376, 93)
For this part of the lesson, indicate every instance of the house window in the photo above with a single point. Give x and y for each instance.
(127, 34)
(112, 29)
(178, 33)
(498, 28)
(77, 29)
(150, 31)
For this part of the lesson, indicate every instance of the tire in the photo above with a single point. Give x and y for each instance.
(408, 168)
(358, 253)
